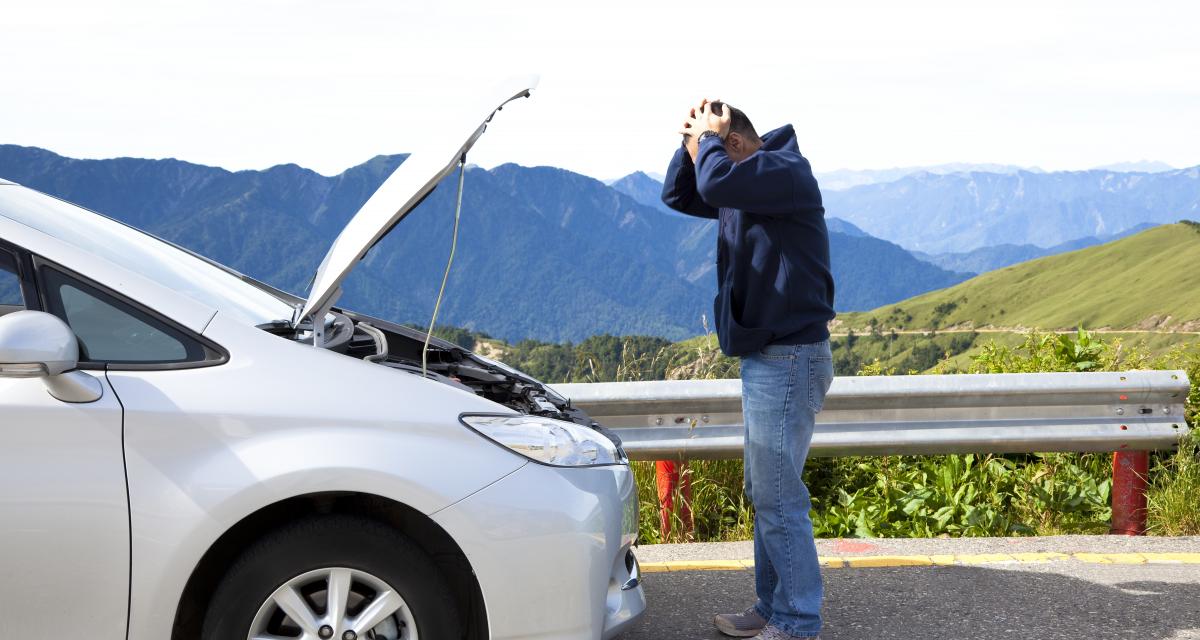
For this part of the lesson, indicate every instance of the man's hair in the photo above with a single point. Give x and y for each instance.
(737, 120)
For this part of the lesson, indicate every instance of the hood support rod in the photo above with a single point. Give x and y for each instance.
(437, 305)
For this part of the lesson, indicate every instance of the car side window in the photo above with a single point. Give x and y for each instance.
(111, 331)
(10, 285)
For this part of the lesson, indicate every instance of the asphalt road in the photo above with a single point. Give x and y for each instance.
(1067, 599)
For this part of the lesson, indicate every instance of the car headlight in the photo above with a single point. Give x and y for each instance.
(545, 440)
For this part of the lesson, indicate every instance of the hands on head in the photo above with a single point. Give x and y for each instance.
(707, 116)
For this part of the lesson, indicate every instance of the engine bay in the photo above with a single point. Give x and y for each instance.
(399, 347)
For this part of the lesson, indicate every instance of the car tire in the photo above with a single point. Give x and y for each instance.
(345, 544)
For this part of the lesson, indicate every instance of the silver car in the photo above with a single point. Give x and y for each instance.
(186, 453)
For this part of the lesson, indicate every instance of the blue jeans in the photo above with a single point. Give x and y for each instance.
(783, 388)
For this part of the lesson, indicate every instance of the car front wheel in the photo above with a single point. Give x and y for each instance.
(333, 577)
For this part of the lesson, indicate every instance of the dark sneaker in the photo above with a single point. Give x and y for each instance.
(740, 625)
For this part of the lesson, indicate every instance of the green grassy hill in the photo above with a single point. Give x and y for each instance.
(1149, 281)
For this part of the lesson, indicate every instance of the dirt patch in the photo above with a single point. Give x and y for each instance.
(1154, 323)
(492, 350)
(1190, 325)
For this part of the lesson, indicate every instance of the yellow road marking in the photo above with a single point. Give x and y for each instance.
(707, 565)
(825, 561)
(1111, 558)
(1172, 558)
(985, 558)
(1040, 557)
(858, 562)
(889, 561)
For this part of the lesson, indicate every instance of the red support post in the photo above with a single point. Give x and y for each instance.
(667, 477)
(667, 474)
(1130, 472)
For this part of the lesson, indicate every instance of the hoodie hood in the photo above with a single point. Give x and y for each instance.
(781, 139)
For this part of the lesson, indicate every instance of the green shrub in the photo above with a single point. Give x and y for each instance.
(904, 496)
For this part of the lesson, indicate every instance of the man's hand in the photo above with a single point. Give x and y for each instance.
(701, 118)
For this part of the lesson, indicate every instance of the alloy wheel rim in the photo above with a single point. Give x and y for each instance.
(334, 603)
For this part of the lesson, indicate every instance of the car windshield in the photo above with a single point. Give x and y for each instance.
(144, 254)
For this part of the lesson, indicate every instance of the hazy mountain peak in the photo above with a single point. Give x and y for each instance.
(962, 212)
(1139, 166)
(653, 175)
(837, 225)
(842, 179)
(644, 188)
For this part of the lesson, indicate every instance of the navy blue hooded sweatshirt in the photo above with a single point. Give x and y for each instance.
(774, 285)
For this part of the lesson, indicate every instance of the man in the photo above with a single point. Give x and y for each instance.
(774, 299)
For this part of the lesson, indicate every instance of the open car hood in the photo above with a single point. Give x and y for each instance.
(408, 185)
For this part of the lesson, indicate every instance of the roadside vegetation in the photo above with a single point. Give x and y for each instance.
(909, 496)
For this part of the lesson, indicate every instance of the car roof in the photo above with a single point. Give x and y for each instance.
(3, 181)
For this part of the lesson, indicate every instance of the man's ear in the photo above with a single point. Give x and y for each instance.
(734, 141)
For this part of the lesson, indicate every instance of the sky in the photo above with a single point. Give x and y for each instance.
(327, 85)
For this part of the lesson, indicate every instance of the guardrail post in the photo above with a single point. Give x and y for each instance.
(667, 473)
(1130, 472)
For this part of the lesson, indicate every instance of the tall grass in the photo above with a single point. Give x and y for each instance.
(1173, 506)
(720, 510)
(952, 495)
(1173, 500)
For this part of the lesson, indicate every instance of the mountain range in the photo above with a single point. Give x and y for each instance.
(960, 212)
(554, 255)
(986, 259)
(840, 179)
(542, 253)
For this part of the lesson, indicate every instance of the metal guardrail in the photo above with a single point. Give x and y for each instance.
(887, 415)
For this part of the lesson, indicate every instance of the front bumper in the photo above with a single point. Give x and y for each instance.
(552, 550)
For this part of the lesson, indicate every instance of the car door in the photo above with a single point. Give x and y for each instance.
(64, 514)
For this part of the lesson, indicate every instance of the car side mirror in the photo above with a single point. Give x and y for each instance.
(34, 344)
